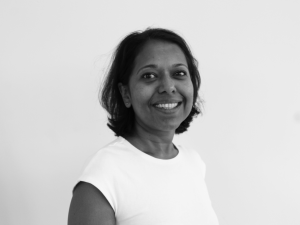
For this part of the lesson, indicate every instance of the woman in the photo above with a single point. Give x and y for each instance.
(142, 178)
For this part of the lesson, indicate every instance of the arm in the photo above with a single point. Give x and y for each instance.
(90, 207)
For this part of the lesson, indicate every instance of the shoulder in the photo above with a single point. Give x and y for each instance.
(194, 157)
(109, 155)
(192, 152)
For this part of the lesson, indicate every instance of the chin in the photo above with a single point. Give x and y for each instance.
(169, 127)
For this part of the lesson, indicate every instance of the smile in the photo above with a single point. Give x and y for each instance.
(167, 105)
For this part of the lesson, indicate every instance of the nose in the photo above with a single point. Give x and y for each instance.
(167, 85)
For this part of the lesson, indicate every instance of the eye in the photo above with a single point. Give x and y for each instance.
(180, 73)
(149, 75)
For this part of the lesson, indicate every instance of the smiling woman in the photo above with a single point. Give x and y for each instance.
(151, 94)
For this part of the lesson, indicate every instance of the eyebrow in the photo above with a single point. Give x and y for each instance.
(156, 66)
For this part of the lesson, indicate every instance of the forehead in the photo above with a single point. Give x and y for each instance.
(156, 51)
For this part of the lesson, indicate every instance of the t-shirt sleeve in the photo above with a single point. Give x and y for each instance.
(99, 172)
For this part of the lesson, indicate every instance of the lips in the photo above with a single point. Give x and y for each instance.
(167, 105)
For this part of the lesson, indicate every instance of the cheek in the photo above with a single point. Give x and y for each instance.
(189, 91)
(140, 95)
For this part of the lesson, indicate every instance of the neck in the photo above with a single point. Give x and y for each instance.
(156, 144)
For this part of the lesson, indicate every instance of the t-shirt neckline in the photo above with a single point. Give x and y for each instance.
(152, 158)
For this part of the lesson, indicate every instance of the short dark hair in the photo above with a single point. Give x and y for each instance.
(121, 118)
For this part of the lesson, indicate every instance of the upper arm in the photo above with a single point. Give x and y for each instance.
(90, 207)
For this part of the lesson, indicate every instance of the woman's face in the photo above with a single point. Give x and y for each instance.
(160, 89)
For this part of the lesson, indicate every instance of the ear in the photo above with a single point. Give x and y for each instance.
(124, 90)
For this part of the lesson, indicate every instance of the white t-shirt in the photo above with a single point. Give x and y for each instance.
(144, 190)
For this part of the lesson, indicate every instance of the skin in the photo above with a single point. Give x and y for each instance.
(169, 81)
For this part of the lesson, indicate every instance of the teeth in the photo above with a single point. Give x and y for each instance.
(167, 106)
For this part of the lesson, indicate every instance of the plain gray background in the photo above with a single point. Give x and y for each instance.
(53, 55)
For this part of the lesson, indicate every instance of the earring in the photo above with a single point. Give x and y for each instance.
(127, 104)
